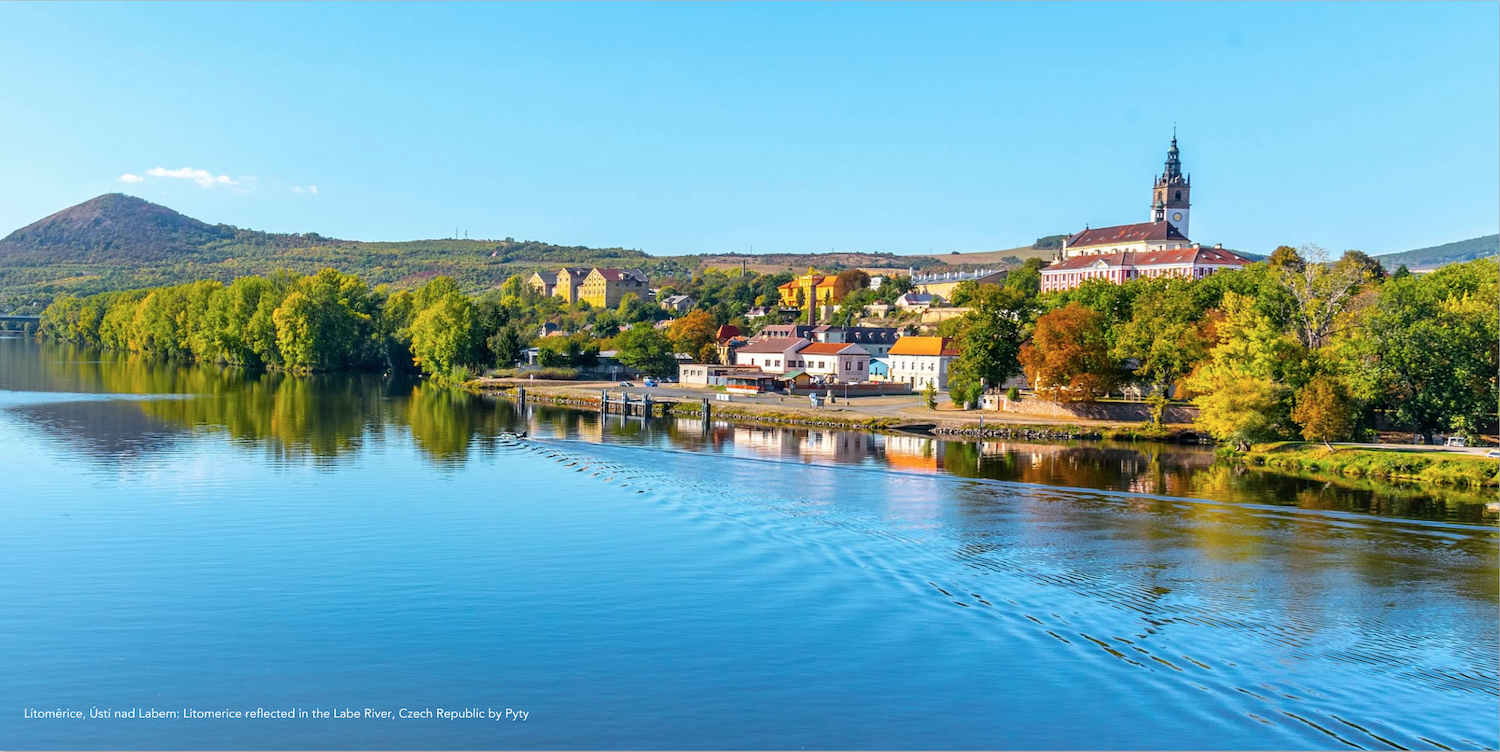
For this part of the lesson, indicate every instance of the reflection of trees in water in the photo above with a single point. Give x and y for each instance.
(325, 417)
(449, 424)
(319, 417)
(114, 429)
(1229, 480)
(1144, 468)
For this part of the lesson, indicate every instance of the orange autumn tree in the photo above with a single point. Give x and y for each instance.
(691, 332)
(1067, 359)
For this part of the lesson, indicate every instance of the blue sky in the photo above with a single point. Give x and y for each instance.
(685, 128)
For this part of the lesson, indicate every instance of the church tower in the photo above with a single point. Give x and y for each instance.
(1171, 196)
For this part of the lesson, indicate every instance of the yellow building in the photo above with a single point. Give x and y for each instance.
(563, 283)
(569, 281)
(604, 288)
(543, 282)
(811, 287)
(600, 287)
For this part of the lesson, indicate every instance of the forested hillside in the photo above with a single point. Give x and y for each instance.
(1447, 253)
(119, 242)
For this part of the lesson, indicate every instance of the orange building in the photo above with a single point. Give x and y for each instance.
(811, 287)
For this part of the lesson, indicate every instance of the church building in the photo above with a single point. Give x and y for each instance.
(1156, 248)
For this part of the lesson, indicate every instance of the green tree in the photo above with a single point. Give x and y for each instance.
(444, 334)
(1168, 336)
(646, 350)
(1286, 258)
(1243, 388)
(929, 396)
(1323, 411)
(988, 339)
(326, 323)
(507, 345)
(1319, 291)
(1240, 410)
(1426, 350)
(1027, 278)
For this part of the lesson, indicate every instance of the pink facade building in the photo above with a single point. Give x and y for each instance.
(1195, 262)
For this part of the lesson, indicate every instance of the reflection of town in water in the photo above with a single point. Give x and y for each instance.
(321, 419)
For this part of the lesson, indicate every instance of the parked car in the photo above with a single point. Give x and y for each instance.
(650, 381)
(626, 384)
(1493, 454)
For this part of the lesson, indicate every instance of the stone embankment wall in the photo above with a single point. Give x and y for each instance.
(1120, 412)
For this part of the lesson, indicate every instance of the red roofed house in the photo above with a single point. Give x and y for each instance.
(775, 355)
(1150, 249)
(920, 361)
(1195, 262)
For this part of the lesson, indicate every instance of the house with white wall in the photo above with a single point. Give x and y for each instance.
(836, 361)
(920, 361)
(771, 355)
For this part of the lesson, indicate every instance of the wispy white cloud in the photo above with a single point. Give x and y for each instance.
(203, 178)
(313, 189)
(130, 178)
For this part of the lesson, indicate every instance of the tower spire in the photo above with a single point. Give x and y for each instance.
(1173, 167)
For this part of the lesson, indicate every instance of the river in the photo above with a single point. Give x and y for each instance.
(184, 537)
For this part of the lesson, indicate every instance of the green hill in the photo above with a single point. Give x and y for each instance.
(120, 242)
(116, 242)
(1438, 255)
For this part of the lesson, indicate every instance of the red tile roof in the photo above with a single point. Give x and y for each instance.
(1196, 255)
(831, 348)
(727, 331)
(615, 275)
(1125, 234)
(772, 345)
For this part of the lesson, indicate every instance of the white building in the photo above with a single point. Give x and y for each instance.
(772, 355)
(920, 361)
(706, 374)
(835, 361)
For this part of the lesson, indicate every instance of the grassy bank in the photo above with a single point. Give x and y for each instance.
(1444, 468)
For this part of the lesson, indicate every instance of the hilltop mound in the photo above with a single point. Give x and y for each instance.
(120, 228)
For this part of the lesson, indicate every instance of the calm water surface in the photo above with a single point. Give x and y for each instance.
(181, 537)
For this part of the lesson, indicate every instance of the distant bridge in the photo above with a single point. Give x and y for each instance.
(20, 319)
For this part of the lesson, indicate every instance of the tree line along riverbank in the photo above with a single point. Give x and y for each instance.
(1299, 346)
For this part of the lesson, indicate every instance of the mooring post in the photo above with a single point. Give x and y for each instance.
(604, 401)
